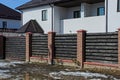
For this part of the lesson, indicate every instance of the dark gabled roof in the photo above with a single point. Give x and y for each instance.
(35, 3)
(8, 13)
(31, 26)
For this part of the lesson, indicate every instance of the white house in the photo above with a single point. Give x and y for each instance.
(68, 16)
(9, 18)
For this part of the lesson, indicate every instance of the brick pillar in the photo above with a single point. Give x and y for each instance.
(51, 47)
(81, 47)
(119, 47)
(2, 46)
(27, 76)
(28, 46)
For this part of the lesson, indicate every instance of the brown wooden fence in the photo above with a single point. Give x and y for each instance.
(102, 47)
(40, 45)
(15, 47)
(95, 47)
(66, 46)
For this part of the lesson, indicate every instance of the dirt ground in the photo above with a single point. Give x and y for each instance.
(37, 71)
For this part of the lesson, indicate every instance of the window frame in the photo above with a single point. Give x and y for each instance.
(44, 18)
(4, 24)
(99, 12)
(75, 12)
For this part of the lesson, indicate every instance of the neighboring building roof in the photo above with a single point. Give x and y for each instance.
(8, 13)
(31, 26)
(36, 3)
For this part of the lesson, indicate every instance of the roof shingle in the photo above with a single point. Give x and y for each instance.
(35, 3)
(8, 13)
(31, 26)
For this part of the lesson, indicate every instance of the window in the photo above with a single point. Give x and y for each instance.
(118, 6)
(4, 24)
(44, 15)
(76, 14)
(100, 11)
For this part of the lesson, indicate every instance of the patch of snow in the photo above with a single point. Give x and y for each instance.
(18, 77)
(4, 71)
(17, 62)
(57, 75)
(84, 74)
(6, 64)
(94, 79)
(115, 79)
(5, 76)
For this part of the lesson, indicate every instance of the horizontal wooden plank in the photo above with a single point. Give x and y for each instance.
(66, 49)
(102, 41)
(64, 52)
(101, 44)
(101, 34)
(102, 54)
(103, 47)
(40, 53)
(101, 51)
(101, 58)
(110, 62)
(102, 37)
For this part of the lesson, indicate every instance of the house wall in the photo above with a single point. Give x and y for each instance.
(93, 10)
(63, 21)
(91, 24)
(11, 23)
(113, 16)
(88, 21)
(71, 10)
(36, 14)
(59, 14)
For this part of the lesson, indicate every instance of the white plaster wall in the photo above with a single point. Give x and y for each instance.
(11, 23)
(91, 24)
(87, 9)
(59, 14)
(36, 14)
(113, 16)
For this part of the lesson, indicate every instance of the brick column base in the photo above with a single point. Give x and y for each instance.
(28, 46)
(81, 47)
(51, 47)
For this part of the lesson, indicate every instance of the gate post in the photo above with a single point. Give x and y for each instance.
(81, 47)
(2, 47)
(28, 46)
(51, 47)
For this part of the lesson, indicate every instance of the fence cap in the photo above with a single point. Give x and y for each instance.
(29, 33)
(118, 29)
(51, 32)
(82, 30)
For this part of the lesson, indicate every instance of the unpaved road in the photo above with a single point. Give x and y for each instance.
(36, 71)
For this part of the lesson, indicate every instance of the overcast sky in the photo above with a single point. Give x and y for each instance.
(13, 3)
